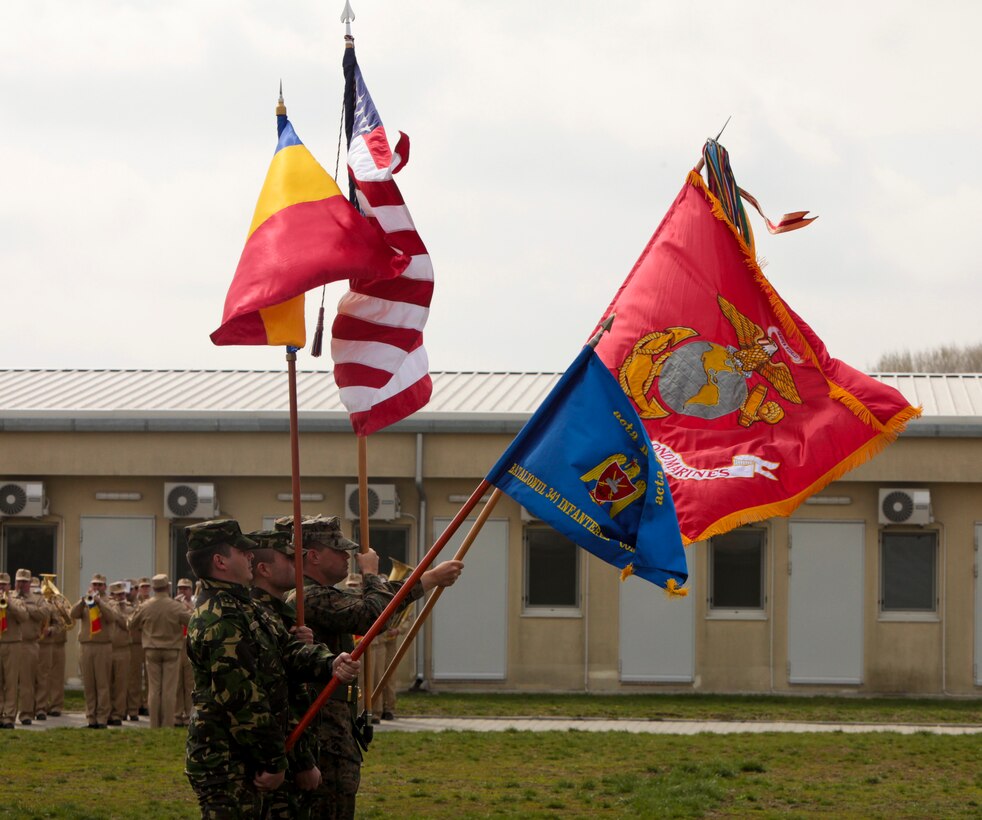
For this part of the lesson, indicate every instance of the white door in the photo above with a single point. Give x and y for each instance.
(470, 621)
(825, 602)
(119, 548)
(657, 633)
(978, 608)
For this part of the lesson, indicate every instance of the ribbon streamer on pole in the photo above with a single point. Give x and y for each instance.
(390, 610)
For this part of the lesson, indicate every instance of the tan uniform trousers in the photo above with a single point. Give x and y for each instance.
(383, 653)
(185, 683)
(96, 663)
(27, 672)
(118, 682)
(43, 674)
(51, 688)
(162, 669)
(134, 680)
(8, 681)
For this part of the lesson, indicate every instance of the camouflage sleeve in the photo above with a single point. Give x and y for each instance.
(224, 645)
(332, 610)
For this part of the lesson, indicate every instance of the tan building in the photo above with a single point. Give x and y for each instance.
(101, 470)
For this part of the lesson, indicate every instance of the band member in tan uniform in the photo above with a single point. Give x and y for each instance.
(185, 673)
(95, 614)
(27, 651)
(119, 679)
(136, 699)
(163, 621)
(50, 687)
(13, 613)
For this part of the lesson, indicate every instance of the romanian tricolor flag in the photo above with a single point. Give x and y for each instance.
(304, 234)
(95, 619)
(3, 620)
(747, 411)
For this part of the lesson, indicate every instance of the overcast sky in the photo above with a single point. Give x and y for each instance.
(548, 139)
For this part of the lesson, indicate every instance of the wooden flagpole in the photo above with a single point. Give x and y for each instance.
(392, 606)
(436, 593)
(363, 530)
(291, 358)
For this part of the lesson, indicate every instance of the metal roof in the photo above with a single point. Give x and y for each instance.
(258, 400)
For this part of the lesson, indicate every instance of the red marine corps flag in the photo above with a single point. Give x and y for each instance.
(747, 411)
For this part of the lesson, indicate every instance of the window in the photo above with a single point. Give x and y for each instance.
(552, 573)
(389, 543)
(908, 572)
(736, 572)
(30, 546)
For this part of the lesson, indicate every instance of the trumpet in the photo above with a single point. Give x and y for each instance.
(90, 599)
(3, 600)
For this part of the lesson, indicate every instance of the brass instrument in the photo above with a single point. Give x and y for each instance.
(400, 571)
(54, 597)
(3, 600)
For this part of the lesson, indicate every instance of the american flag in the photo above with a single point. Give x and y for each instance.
(380, 365)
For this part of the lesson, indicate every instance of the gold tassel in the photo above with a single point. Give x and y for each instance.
(627, 572)
(673, 590)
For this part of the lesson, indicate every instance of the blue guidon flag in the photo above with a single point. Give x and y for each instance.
(584, 464)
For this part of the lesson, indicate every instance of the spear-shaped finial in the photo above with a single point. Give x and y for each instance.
(605, 327)
(347, 17)
(280, 105)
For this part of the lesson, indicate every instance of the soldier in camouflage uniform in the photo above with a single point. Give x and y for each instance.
(274, 575)
(242, 659)
(335, 615)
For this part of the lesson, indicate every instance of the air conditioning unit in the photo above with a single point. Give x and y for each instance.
(190, 500)
(23, 498)
(903, 506)
(383, 503)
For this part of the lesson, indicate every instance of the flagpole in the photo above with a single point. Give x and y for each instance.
(363, 530)
(291, 358)
(392, 606)
(435, 595)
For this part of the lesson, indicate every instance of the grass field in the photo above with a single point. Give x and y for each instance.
(66, 773)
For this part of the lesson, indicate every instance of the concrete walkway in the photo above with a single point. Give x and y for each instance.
(655, 727)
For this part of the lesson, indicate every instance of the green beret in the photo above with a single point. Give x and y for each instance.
(209, 533)
(319, 531)
(278, 540)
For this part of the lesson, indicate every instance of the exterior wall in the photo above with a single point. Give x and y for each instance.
(574, 651)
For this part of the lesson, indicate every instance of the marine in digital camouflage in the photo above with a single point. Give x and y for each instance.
(242, 659)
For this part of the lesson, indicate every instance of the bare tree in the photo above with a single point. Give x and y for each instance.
(943, 359)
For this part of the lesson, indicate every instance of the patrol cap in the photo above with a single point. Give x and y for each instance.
(160, 581)
(211, 533)
(144, 582)
(23, 575)
(279, 540)
(184, 582)
(4, 578)
(319, 531)
(117, 586)
(98, 578)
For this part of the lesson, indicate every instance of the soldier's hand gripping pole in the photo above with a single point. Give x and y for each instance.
(393, 605)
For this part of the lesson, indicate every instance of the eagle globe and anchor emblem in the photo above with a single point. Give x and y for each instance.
(703, 379)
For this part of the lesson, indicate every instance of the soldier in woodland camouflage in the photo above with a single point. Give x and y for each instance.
(242, 659)
(274, 575)
(335, 615)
